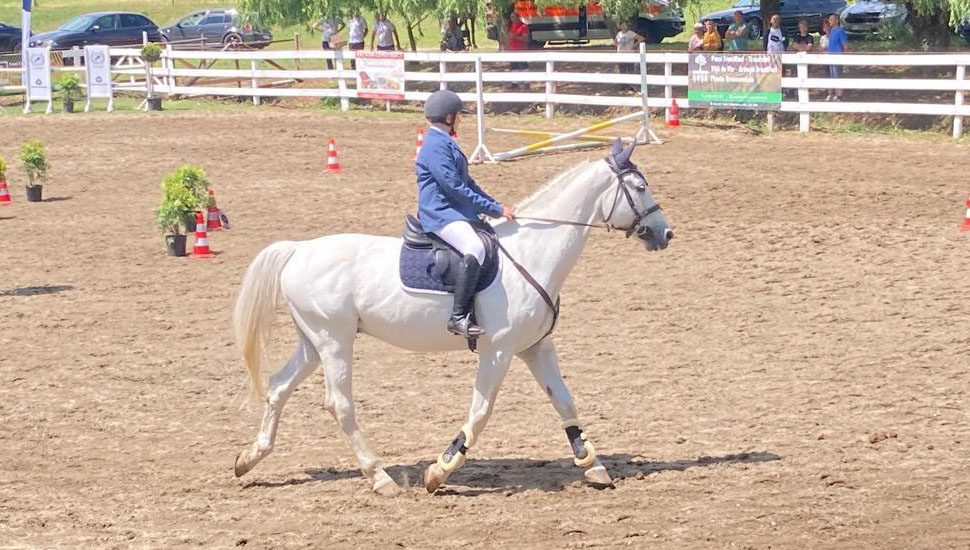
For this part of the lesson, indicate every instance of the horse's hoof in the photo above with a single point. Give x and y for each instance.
(387, 487)
(242, 466)
(598, 477)
(434, 476)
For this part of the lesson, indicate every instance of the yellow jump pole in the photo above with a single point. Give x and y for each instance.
(563, 137)
(536, 133)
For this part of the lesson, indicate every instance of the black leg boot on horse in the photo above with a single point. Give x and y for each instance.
(461, 322)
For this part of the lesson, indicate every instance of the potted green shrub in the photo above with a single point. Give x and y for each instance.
(180, 201)
(70, 91)
(151, 53)
(35, 165)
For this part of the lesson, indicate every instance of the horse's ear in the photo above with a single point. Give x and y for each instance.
(623, 157)
(617, 149)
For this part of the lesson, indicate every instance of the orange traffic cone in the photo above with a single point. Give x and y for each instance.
(201, 248)
(420, 144)
(674, 120)
(213, 221)
(4, 193)
(966, 219)
(332, 164)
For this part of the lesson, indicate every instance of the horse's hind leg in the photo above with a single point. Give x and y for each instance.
(282, 384)
(544, 364)
(336, 352)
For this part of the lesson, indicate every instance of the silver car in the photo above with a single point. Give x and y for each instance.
(215, 27)
(866, 17)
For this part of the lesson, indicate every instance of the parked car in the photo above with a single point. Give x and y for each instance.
(9, 38)
(219, 27)
(865, 17)
(109, 28)
(792, 11)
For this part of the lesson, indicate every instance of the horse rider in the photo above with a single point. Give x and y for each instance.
(449, 201)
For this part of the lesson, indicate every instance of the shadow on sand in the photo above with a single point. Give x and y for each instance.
(36, 290)
(515, 475)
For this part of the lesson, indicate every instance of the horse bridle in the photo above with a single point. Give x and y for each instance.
(638, 216)
(621, 185)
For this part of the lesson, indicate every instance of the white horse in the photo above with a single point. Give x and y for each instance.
(340, 285)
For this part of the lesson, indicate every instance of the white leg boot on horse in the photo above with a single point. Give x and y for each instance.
(491, 371)
(282, 384)
(544, 364)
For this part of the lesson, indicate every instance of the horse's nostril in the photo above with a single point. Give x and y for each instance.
(670, 234)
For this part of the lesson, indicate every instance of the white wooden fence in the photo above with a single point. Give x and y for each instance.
(589, 68)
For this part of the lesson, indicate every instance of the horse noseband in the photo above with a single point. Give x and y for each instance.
(643, 233)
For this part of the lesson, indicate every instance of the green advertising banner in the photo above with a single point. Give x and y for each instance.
(728, 80)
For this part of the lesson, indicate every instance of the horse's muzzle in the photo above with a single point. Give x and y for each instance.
(653, 243)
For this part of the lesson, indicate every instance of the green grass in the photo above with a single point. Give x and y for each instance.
(50, 14)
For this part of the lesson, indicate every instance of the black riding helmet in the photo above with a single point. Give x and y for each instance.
(441, 104)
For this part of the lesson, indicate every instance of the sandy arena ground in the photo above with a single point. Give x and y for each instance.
(790, 373)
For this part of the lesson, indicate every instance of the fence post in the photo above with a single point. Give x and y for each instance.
(550, 88)
(296, 44)
(253, 64)
(169, 65)
(958, 99)
(668, 89)
(442, 69)
(804, 117)
(341, 84)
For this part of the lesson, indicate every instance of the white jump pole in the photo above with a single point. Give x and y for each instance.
(481, 153)
(537, 133)
(647, 134)
(563, 137)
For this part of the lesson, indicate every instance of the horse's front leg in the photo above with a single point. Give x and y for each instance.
(492, 368)
(544, 364)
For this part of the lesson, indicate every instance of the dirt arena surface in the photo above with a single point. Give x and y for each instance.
(791, 373)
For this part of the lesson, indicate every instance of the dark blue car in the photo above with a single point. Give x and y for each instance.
(792, 11)
(9, 38)
(108, 28)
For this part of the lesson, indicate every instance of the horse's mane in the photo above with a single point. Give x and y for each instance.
(534, 197)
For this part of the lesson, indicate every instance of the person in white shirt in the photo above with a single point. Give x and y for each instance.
(357, 30)
(626, 41)
(328, 27)
(775, 39)
(386, 34)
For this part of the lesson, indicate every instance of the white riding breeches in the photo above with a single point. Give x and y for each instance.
(460, 235)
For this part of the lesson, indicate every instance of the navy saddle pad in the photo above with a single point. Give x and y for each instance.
(429, 264)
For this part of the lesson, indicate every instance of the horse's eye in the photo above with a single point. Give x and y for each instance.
(641, 188)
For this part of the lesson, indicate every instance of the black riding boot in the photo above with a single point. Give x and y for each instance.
(465, 282)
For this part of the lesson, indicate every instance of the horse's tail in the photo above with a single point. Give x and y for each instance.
(255, 305)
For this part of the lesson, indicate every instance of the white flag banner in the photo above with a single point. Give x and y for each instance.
(97, 63)
(39, 73)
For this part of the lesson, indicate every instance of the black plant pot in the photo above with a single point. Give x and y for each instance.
(68, 105)
(175, 244)
(154, 104)
(34, 193)
(189, 222)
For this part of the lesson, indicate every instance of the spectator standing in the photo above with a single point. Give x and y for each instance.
(736, 35)
(626, 41)
(518, 41)
(803, 42)
(328, 27)
(696, 43)
(823, 37)
(356, 31)
(712, 38)
(386, 35)
(774, 39)
(838, 43)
